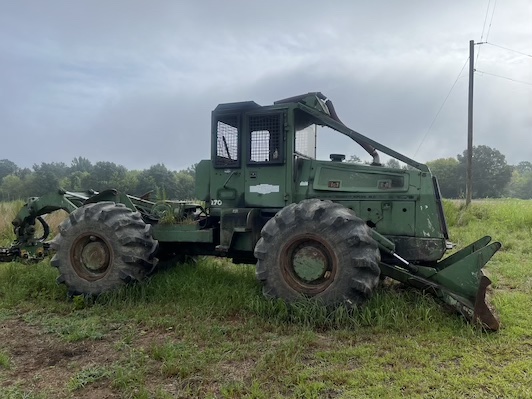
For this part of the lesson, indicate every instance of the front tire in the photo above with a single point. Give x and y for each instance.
(101, 247)
(317, 249)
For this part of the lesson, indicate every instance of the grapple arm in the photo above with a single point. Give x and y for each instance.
(26, 245)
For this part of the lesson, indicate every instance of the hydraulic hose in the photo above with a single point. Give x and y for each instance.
(45, 227)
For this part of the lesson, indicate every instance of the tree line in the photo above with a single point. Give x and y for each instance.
(82, 174)
(492, 177)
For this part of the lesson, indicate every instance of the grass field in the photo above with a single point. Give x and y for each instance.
(204, 330)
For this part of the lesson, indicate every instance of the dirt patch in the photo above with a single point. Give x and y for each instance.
(41, 362)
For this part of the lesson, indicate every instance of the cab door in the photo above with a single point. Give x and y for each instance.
(265, 171)
(226, 180)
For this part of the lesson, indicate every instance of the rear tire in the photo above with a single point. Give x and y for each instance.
(317, 249)
(101, 247)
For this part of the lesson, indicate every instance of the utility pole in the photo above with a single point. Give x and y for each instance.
(469, 168)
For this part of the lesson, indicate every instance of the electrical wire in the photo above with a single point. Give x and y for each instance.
(491, 20)
(483, 28)
(509, 49)
(504, 77)
(485, 19)
(441, 107)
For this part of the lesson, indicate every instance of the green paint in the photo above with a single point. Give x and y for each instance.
(257, 168)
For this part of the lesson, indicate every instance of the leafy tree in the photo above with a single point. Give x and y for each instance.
(185, 185)
(11, 188)
(393, 163)
(491, 173)
(524, 167)
(354, 159)
(47, 177)
(145, 184)
(78, 180)
(520, 184)
(105, 174)
(191, 170)
(447, 172)
(23, 172)
(7, 167)
(28, 183)
(81, 164)
(125, 182)
(160, 179)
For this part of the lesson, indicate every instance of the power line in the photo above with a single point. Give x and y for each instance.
(504, 77)
(441, 107)
(509, 49)
(491, 20)
(483, 27)
(485, 19)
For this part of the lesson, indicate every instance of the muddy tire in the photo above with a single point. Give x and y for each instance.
(101, 247)
(317, 249)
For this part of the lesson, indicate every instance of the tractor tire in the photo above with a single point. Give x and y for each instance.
(101, 247)
(317, 249)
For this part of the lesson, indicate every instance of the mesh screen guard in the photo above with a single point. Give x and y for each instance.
(266, 138)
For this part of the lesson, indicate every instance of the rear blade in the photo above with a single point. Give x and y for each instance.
(457, 280)
(464, 280)
(482, 313)
(477, 312)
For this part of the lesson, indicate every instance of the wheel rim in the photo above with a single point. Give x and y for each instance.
(91, 257)
(308, 264)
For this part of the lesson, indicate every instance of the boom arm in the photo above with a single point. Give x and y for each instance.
(367, 143)
(26, 244)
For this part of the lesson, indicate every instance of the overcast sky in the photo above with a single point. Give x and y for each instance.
(134, 82)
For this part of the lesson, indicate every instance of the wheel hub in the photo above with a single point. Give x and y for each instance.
(308, 264)
(91, 257)
(95, 256)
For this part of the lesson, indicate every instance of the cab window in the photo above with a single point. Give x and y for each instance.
(266, 138)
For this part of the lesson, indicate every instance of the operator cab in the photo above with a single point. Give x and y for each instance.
(260, 153)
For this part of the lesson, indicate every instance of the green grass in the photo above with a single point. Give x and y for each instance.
(87, 376)
(206, 331)
(7, 214)
(4, 360)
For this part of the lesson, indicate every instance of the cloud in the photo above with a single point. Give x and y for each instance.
(134, 83)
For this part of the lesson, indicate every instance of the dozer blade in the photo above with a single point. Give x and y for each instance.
(482, 313)
(457, 280)
(464, 282)
(477, 311)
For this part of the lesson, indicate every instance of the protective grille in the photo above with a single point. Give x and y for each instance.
(266, 138)
(227, 141)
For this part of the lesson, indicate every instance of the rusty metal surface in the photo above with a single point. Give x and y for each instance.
(308, 263)
(417, 248)
(482, 314)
